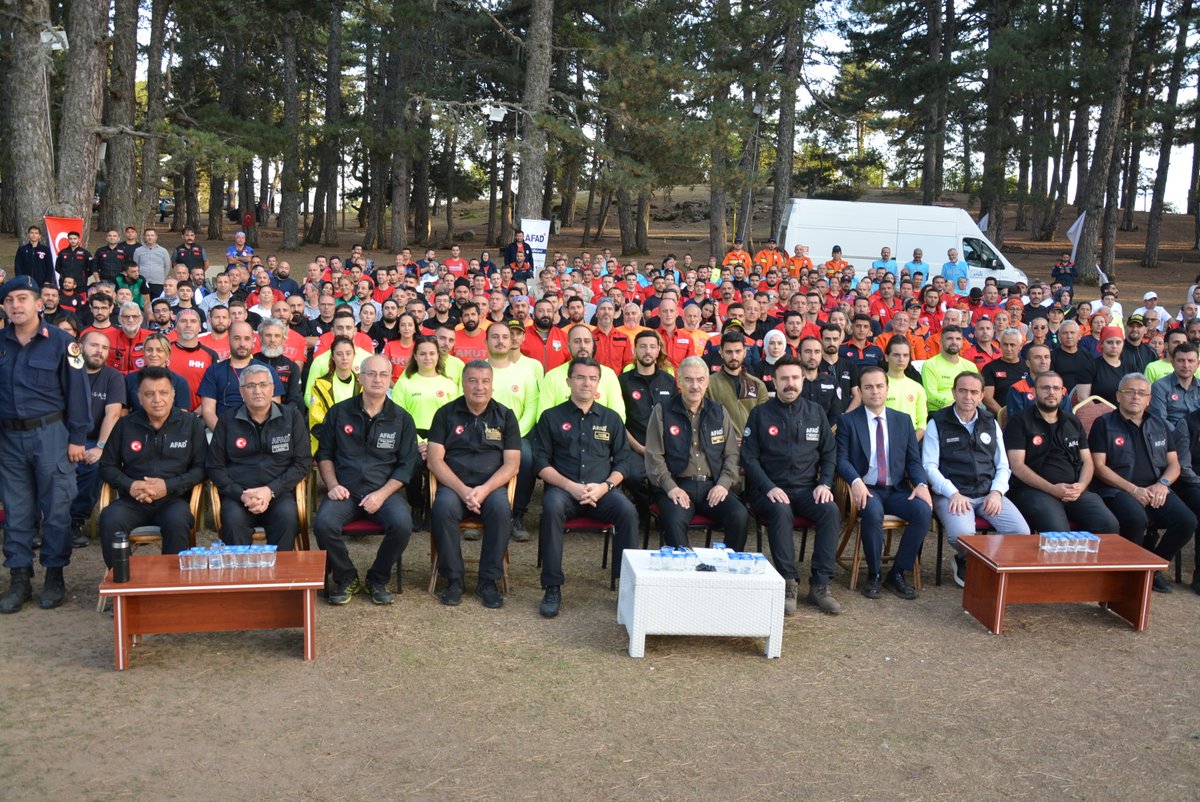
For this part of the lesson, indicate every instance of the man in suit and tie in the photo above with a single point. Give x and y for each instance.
(879, 457)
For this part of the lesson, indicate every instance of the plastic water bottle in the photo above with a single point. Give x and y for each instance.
(216, 556)
(760, 563)
(655, 561)
(1093, 543)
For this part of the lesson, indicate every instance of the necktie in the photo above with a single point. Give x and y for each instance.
(880, 452)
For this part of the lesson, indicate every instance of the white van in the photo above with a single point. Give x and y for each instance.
(862, 229)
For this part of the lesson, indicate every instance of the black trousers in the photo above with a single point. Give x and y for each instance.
(281, 522)
(1045, 513)
(448, 513)
(779, 518)
(393, 517)
(171, 515)
(730, 514)
(558, 505)
(1173, 517)
(1191, 497)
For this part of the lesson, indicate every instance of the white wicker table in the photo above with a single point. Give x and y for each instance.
(698, 603)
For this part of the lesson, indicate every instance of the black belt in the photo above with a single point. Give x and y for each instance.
(693, 479)
(29, 424)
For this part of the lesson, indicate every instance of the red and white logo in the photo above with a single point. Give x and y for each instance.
(459, 429)
(1174, 396)
(1037, 439)
(772, 430)
(675, 430)
(567, 426)
(240, 442)
(440, 393)
(911, 398)
(139, 363)
(637, 395)
(135, 446)
(1029, 396)
(516, 388)
(597, 396)
(348, 429)
(1119, 441)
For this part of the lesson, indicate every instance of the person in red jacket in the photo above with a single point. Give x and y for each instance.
(544, 341)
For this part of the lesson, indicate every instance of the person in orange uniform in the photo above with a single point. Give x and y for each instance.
(770, 256)
(678, 343)
(545, 342)
(901, 323)
(836, 264)
(614, 348)
(736, 256)
(799, 261)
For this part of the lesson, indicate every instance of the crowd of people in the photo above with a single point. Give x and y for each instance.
(760, 387)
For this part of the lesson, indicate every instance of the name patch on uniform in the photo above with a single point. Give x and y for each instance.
(601, 433)
(492, 433)
(717, 436)
(812, 434)
(178, 444)
(281, 444)
(1159, 443)
(386, 440)
(954, 439)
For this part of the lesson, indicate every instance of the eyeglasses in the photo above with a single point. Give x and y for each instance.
(1136, 393)
(258, 386)
(375, 374)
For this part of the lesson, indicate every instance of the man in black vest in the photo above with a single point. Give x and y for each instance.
(968, 469)
(1136, 465)
(692, 460)
(1052, 465)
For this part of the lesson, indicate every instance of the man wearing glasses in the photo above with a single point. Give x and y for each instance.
(1136, 465)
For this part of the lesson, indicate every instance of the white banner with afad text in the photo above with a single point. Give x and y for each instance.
(537, 237)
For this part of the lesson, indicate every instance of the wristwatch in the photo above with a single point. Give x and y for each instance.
(1164, 482)
(611, 486)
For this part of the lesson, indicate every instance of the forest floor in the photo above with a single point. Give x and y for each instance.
(890, 700)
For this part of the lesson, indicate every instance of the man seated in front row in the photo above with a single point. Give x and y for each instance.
(366, 453)
(258, 454)
(692, 460)
(581, 453)
(964, 457)
(880, 457)
(153, 458)
(789, 455)
(474, 450)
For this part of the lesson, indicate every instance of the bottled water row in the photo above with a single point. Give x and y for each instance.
(1059, 542)
(218, 556)
(719, 558)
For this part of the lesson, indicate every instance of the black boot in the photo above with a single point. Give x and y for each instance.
(20, 590)
(54, 590)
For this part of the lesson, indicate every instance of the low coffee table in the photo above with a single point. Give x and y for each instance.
(1012, 569)
(160, 598)
(698, 603)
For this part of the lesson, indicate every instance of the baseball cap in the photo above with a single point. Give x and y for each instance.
(1149, 295)
(1135, 319)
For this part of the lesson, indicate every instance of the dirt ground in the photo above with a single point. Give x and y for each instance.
(890, 700)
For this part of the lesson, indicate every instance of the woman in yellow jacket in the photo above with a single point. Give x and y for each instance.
(338, 384)
(423, 390)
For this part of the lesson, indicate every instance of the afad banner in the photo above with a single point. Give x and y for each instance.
(57, 229)
(537, 237)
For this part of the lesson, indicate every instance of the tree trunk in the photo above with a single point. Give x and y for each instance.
(994, 185)
(120, 187)
(538, 50)
(191, 192)
(1124, 20)
(33, 158)
(570, 185)
(625, 220)
(506, 196)
(785, 144)
(1112, 210)
(934, 127)
(587, 215)
(493, 185)
(451, 158)
(1167, 138)
(216, 202)
(748, 169)
(548, 187)
(246, 204)
(154, 124)
(1022, 221)
(324, 222)
(1139, 107)
(83, 103)
(289, 184)
(422, 225)
(642, 229)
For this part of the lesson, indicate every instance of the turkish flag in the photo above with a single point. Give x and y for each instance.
(57, 229)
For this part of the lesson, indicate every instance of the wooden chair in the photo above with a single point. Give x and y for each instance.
(260, 534)
(145, 535)
(852, 527)
(1091, 408)
(469, 521)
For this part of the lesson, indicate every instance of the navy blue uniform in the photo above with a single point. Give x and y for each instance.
(44, 406)
(35, 262)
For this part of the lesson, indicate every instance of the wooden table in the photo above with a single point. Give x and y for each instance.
(160, 598)
(1011, 569)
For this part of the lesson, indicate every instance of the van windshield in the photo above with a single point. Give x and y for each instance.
(979, 254)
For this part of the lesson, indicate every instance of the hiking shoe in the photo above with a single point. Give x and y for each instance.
(519, 533)
(822, 598)
(871, 589)
(471, 533)
(900, 586)
(791, 592)
(551, 602)
(341, 594)
(54, 591)
(79, 539)
(960, 570)
(20, 590)
(1161, 583)
(380, 594)
(452, 595)
(488, 594)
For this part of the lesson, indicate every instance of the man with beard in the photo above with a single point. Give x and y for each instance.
(300, 323)
(221, 297)
(110, 259)
(272, 336)
(107, 400)
(819, 387)
(613, 347)
(217, 338)
(1021, 394)
(161, 321)
(282, 280)
(189, 357)
(384, 330)
(295, 347)
(220, 389)
(732, 386)
(126, 352)
(1051, 465)
(470, 341)
(840, 367)
(189, 252)
(939, 371)
(187, 299)
(643, 388)
(546, 342)
(554, 388)
(322, 324)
